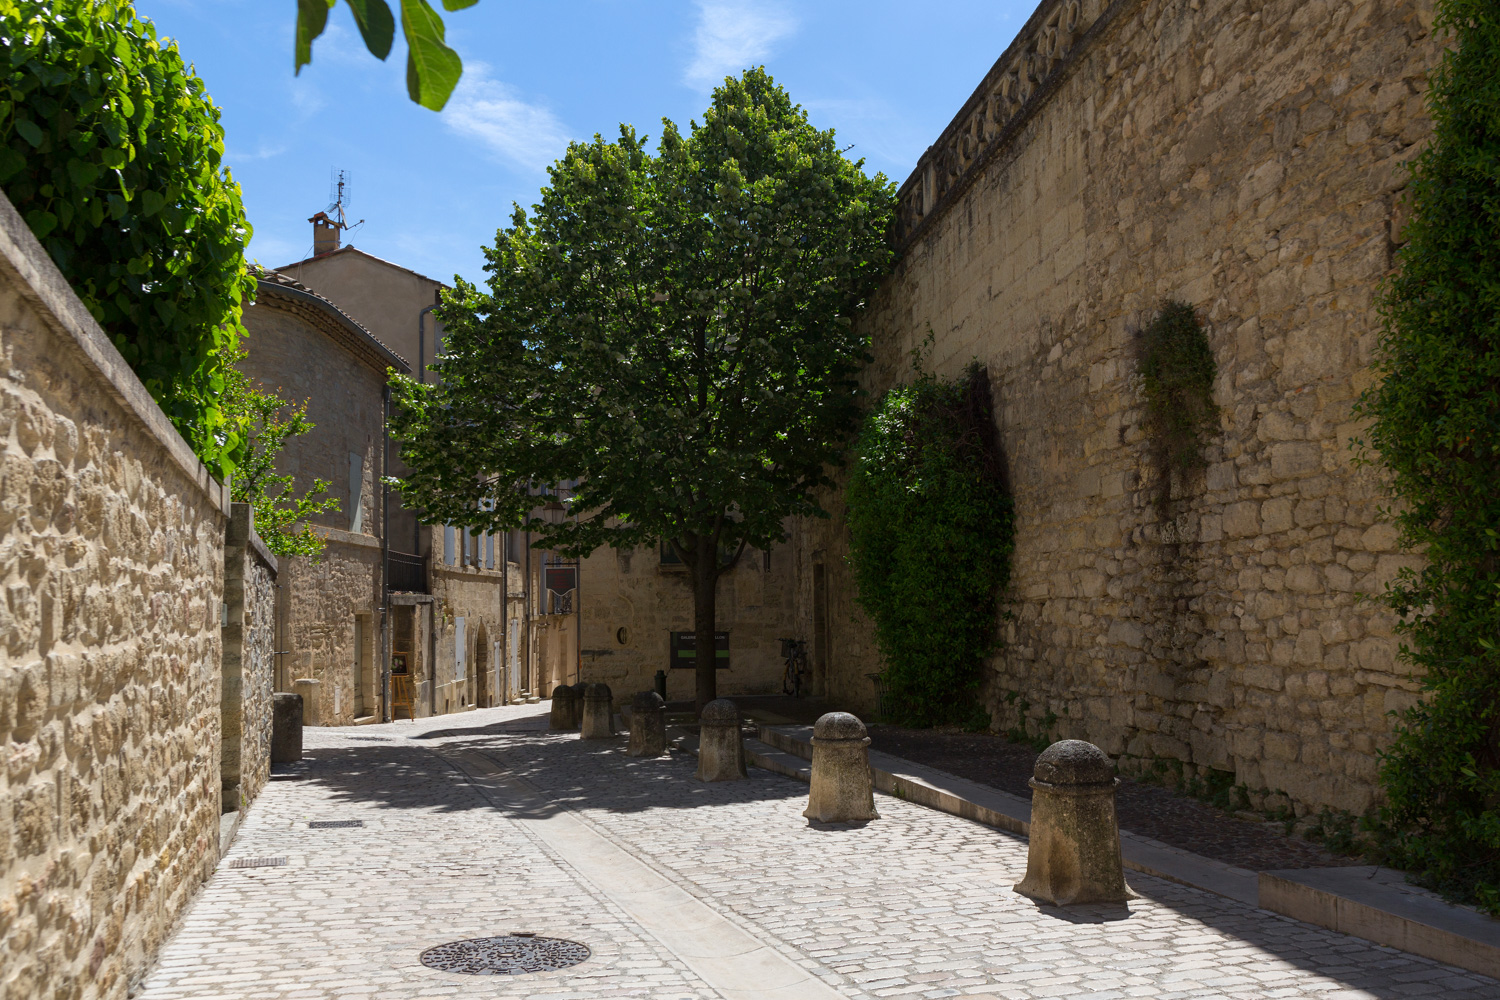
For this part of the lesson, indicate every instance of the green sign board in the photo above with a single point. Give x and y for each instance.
(684, 652)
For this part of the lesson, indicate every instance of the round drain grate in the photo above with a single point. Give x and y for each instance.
(508, 955)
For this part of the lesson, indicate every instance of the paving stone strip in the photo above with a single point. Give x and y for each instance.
(915, 904)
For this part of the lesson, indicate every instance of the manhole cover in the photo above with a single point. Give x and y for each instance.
(508, 955)
(334, 824)
(257, 863)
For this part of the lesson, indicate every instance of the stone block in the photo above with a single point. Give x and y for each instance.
(286, 728)
(1242, 520)
(1295, 459)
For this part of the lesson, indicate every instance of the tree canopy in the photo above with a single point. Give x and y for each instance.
(112, 151)
(674, 331)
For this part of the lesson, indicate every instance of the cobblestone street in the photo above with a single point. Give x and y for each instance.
(484, 823)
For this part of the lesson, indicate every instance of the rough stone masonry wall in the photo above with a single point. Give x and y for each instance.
(1245, 157)
(111, 566)
(248, 661)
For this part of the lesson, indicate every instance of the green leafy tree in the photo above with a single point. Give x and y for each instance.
(1436, 429)
(931, 532)
(269, 421)
(110, 149)
(432, 68)
(674, 331)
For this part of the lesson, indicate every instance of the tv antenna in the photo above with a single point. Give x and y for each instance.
(340, 189)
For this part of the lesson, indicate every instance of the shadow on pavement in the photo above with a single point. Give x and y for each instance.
(598, 776)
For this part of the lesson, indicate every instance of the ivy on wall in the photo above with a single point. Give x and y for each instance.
(932, 530)
(1435, 426)
(1177, 379)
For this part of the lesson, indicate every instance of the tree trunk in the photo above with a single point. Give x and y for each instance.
(705, 589)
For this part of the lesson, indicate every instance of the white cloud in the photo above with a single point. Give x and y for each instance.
(733, 35)
(528, 135)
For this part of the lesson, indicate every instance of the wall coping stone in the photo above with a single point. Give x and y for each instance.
(43, 285)
(242, 532)
(998, 110)
(339, 536)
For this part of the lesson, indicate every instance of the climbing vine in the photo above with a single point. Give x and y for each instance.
(1435, 428)
(1177, 379)
(931, 531)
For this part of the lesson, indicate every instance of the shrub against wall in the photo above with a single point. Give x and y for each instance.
(110, 149)
(1436, 428)
(931, 534)
(1177, 375)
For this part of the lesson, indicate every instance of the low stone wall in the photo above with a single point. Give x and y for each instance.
(1246, 158)
(248, 669)
(112, 567)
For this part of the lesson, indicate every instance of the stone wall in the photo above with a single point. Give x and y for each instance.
(1247, 158)
(112, 558)
(248, 665)
(632, 602)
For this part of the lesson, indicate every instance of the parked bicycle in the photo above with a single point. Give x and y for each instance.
(794, 651)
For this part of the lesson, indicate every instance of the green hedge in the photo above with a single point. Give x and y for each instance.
(1436, 429)
(931, 534)
(110, 148)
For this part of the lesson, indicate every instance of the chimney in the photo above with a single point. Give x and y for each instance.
(325, 234)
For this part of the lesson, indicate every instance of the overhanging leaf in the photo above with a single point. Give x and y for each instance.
(458, 4)
(312, 18)
(432, 68)
(376, 25)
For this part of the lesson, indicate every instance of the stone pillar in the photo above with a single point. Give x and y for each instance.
(307, 687)
(721, 749)
(579, 690)
(286, 728)
(842, 790)
(564, 713)
(648, 725)
(598, 713)
(1074, 855)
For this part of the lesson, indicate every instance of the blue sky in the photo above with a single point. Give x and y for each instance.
(432, 188)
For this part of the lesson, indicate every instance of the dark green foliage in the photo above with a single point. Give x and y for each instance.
(673, 330)
(931, 534)
(1436, 429)
(110, 149)
(1177, 372)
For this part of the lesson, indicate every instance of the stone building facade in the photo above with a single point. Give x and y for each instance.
(1246, 157)
(112, 547)
(329, 639)
(452, 598)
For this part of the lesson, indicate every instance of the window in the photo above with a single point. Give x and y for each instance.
(489, 551)
(468, 549)
(356, 492)
(450, 556)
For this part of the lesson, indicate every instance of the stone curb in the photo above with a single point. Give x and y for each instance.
(1374, 904)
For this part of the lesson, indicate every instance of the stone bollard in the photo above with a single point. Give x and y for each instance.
(564, 713)
(598, 713)
(842, 791)
(721, 749)
(579, 690)
(1074, 855)
(648, 725)
(286, 728)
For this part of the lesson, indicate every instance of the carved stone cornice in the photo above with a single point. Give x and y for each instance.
(1054, 39)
